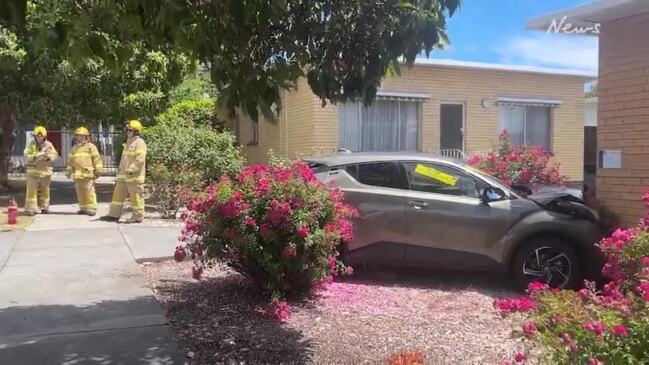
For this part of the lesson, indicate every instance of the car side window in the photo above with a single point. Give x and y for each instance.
(441, 179)
(384, 174)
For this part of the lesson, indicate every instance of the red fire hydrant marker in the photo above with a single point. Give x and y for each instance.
(12, 212)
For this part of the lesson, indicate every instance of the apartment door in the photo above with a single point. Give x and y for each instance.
(452, 127)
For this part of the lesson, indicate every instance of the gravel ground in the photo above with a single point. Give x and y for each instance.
(447, 316)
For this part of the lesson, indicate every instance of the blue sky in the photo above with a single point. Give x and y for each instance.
(494, 31)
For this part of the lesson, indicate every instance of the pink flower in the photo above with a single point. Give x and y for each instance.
(289, 252)
(584, 293)
(596, 327)
(620, 330)
(278, 213)
(593, 361)
(198, 250)
(179, 254)
(349, 270)
(645, 261)
(556, 319)
(332, 264)
(197, 272)
(565, 337)
(645, 198)
(573, 347)
(536, 287)
(264, 229)
(279, 310)
(474, 160)
(520, 357)
(303, 231)
(529, 328)
(511, 305)
(250, 222)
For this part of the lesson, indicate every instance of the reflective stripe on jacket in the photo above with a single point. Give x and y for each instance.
(39, 160)
(84, 161)
(132, 165)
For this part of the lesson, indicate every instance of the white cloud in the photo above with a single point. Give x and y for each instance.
(551, 50)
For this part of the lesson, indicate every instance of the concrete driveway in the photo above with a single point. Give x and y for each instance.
(72, 293)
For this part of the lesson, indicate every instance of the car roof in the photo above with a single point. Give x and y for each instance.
(347, 158)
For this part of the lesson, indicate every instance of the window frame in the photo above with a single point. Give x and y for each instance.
(254, 138)
(477, 180)
(403, 178)
(550, 109)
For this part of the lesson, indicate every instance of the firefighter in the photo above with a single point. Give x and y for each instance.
(40, 155)
(84, 166)
(130, 176)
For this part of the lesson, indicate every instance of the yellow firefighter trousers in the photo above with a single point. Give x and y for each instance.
(134, 192)
(86, 194)
(38, 193)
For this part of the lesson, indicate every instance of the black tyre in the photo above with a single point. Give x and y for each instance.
(547, 259)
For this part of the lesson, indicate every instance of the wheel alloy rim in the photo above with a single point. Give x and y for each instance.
(548, 265)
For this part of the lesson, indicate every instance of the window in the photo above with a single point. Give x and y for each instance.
(528, 125)
(386, 125)
(254, 132)
(442, 179)
(383, 174)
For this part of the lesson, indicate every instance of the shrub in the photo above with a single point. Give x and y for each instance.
(518, 165)
(184, 143)
(179, 144)
(594, 326)
(172, 189)
(275, 224)
(199, 112)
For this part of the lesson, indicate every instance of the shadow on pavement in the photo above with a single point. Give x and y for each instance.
(109, 332)
(61, 192)
(221, 320)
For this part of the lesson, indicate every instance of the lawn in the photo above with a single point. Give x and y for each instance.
(447, 316)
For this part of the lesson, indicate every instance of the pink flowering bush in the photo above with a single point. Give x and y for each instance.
(518, 165)
(276, 224)
(608, 325)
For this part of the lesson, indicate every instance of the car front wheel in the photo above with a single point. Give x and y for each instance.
(549, 260)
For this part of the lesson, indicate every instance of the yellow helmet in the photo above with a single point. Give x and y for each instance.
(135, 125)
(40, 131)
(82, 131)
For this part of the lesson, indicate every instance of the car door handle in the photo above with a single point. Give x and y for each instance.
(417, 204)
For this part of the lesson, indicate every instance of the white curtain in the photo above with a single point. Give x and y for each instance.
(514, 123)
(386, 125)
(537, 127)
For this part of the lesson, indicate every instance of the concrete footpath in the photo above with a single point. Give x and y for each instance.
(71, 292)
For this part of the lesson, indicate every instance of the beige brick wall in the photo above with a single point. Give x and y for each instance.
(316, 130)
(623, 113)
(471, 86)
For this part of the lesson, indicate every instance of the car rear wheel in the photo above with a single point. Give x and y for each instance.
(549, 260)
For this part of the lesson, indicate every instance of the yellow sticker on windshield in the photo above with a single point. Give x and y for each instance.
(436, 175)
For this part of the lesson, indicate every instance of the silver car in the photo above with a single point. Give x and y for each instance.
(423, 210)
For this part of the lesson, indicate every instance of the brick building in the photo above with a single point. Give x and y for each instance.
(456, 108)
(623, 100)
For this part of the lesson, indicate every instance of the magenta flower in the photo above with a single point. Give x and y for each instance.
(596, 327)
(303, 231)
(536, 287)
(529, 328)
(520, 357)
(620, 330)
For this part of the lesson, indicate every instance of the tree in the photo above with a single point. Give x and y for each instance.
(40, 84)
(256, 48)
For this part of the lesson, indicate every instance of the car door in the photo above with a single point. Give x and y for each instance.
(376, 190)
(447, 224)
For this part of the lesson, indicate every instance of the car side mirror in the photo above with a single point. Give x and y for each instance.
(491, 194)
